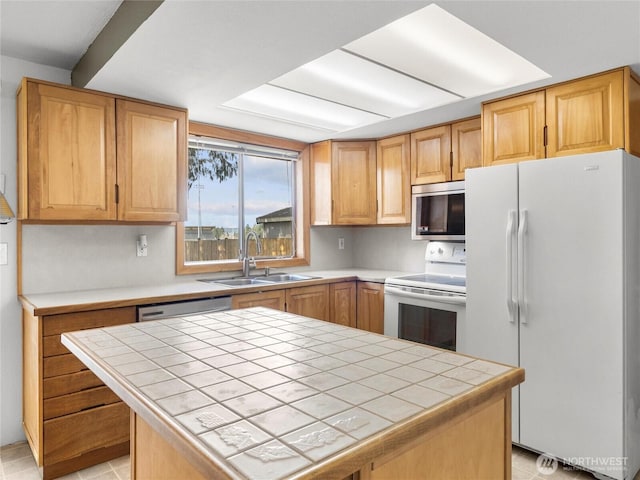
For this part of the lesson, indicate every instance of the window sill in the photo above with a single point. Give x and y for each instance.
(236, 266)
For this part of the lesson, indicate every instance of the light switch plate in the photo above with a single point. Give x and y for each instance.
(4, 254)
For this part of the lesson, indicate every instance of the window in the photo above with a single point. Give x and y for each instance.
(235, 190)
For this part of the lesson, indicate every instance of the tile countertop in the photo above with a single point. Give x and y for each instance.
(67, 302)
(261, 393)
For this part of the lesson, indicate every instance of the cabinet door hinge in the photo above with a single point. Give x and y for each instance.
(117, 193)
(544, 136)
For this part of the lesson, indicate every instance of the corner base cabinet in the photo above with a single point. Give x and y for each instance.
(70, 418)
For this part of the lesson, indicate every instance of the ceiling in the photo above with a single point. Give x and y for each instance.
(201, 54)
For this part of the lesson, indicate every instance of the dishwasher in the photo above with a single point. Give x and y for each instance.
(158, 311)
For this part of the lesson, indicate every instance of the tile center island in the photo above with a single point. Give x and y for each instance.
(263, 394)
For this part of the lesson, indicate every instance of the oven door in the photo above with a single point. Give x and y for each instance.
(431, 317)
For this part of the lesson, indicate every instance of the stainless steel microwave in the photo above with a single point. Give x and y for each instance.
(437, 211)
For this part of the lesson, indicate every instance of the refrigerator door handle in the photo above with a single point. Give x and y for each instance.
(510, 231)
(522, 232)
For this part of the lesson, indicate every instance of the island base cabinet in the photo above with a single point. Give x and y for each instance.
(153, 458)
(467, 443)
(475, 445)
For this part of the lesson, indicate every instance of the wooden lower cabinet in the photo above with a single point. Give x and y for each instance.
(274, 299)
(312, 301)
(354, 304)
(370, 312)
(343, 303)
(70, 418)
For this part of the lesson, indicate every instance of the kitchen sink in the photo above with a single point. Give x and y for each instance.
(237, 282)
(260, 280)
(286, 277)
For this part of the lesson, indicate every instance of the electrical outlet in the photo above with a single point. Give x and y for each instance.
(4, 254)
(141, 246)
(341, 243)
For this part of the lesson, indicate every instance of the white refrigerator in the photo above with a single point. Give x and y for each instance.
(553, 285)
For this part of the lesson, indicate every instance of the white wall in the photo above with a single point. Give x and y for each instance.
(11, 72)
(81, 257)
(388, 248)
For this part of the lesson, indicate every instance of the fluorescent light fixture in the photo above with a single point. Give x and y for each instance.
(435, 46)
(424, 60)
(350, 80)
(294, 107)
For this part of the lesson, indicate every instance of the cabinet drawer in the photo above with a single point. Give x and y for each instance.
(52, 346)
(65, 384)
(77, 402)
(61, 365)
(69, 322)
(72, 435)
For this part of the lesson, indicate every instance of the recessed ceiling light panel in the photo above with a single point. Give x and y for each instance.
(435, 46)
(280, 103)
(350, 80)
(424, 60)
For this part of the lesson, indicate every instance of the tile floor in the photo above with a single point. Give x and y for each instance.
(16, 463)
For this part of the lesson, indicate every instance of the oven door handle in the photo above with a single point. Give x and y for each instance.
(454, 300)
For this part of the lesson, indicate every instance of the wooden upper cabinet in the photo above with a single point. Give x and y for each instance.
(394, 185)
(320, 181)
(152, 151)
(431, 155)
(353, 179)
(590, 114)
(343, 183)
(67, 154)
(466, 146)
(72, 167)
(513, 129)
(586, 115)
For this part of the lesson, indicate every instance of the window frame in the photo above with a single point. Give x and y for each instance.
(302, 211)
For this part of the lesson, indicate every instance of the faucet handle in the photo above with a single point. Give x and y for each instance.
(266, 271)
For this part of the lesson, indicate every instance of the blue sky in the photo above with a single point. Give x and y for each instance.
(266, 190)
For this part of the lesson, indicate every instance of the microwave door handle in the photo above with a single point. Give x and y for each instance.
(522, 233)
(454, 300)
(510, 231)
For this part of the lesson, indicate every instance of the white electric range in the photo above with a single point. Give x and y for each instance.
(429, 307)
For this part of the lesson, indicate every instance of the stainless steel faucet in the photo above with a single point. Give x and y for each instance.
(247, 261)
